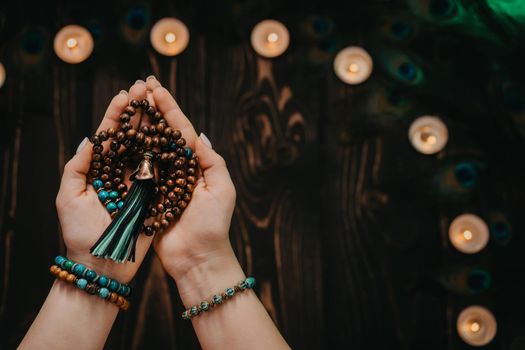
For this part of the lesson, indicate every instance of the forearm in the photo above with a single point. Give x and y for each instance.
(239, 323)
(70, 319)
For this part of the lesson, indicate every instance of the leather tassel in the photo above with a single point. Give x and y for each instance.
(119, 239)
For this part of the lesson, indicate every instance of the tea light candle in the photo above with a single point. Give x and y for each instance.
(428, 134)
(353, 65)
(73, 44)
(468, 233)
(169, 36)
(476, 325)
(270, 38)
(2, 75)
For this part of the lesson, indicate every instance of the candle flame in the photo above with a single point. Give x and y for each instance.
(71, 43)
(475, 327)
(272, 37)
(170, 37)
(467, 234)
(353, 68)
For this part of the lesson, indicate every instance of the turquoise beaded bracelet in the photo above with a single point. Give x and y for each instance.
(218, 299)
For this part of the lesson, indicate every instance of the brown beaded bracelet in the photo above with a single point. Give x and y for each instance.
(90, 288)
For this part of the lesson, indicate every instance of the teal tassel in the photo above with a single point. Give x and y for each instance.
(119, 240)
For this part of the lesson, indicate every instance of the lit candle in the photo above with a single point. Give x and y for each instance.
(270, 38)
(476, 325)
(2, 75)
(468, 233)
(73, 44)
(169, 36)
(353, 65)
(428, 134)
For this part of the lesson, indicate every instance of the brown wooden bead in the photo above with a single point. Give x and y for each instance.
(120, 135)
(130, 110)
(126, 127)
(160, 208)
(177, 135)
(151, 111)
(144, 129)
(106, 169)
(108, 185)
(172, 156)
(180, 151)
(173, 196)
(96, 165)
(112, 154)
(94, 173)
(153, 212)
(192, 163)
(98, 148)
(113, 297)
(179, 163)
(71, 278)
(104, 177)
(168, 131)
(117, 180)
(103, 135)
(157, 116)
(63, 275)
(153, 130)
(178, 190)
(140, 137)
(134, 103)
(168, 204)
(187, 197)
(170, 183)
(114, 145)
(190, 187)
(96, 157)
(117, 171)
(108, 160)
(131, 134)
(191, 171)
(181, 142)
(125, 306)
(160, 128)
(95, 139)
(181, 182)
(149, 231)
(155, 141)
(169, 216)
(179, 173)
(147, 142)
(124, 118)
(54, 269)
(91, 288)
(111, 132)
(182, 204)
(156, 225)
(163, 141)
(165, 223)
(163, 189)
(191, 179)
(176, 211)
(164, 157)
(120, 300)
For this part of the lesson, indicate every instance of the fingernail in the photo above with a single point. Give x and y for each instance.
(124, 92)
(82, 144)
(151, 77)
(140, 82)
(205, 140)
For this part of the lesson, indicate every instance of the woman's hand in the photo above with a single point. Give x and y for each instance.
(198, 245)
(82, 217)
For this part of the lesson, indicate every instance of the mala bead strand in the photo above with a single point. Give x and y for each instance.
(118, 150)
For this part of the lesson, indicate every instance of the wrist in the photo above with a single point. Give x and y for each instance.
(209, 277)
(106, 267)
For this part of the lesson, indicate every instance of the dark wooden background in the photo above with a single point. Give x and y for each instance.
(341, 221)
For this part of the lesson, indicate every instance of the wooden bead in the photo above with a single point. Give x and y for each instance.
(122, 187)
(111, 132)
(113, 297)
(160, 208)
(153, 130)
(131, 134)
(130, 110)
(63, 275)
(157, 116)
(173, 196)
(180, 173)
(149, 231)
(180, 151)
(191, 171)
(147, 142)
(164, 156)
(139, 137)
(126, 127)
(164, 223)
(176, 211)
(96, 157)
(98, 148)
(155, 140)
(114, 145)
(71, 278)
(54, 269)
(163, 141)
(190, 187)
(170, 183)
(120, 135)
(168, 131)
(124, 118)
(182, 204)
(96, 165)
(160, 128)
(163, 189)
(144, 103)
(151, 111)
(144, 129)
(108, 185)
(104, 177)
(181, 182)
(95, 140)
(191, 179)
(172, 156)
(177, 135)
(192, 163)
(156, 225)
(179, 191)
(169, 216)
(153, 212)
(181, 142)
(187, 197)
(103, 135)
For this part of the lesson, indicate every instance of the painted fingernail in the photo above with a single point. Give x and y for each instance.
(124, 92)
(140, 82)
(82, 144)
(205, 140)
(151, 77)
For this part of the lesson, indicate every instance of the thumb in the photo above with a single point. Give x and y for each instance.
(75, 172)
(214, 170)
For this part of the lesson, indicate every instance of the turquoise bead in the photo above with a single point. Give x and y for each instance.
(103, 293)
(217, 299)
(205, 306)
(113, 195)
(59, 260)
(111, 207)
(68, 264)
(194, 311)
(230, 292)
(173, 146)
(90, 275)
(250, 282)
(188, 152)
(124, 290)
(79, 269)
(82, 283)
(185, 315)
(103, 281)
(120, 204)
(97, 184)
(103, 196)
(114, 285)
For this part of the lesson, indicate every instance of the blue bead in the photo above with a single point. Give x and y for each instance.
(90, 275)
(111, 207)
(114, 285)
(194, 311)
(124, 290)
(103, 196)
(103, 281)
(188, 152)
(97, 184)
(113, 195)
(217, 299)
(230, 292)
(79, 269)
(205, 306)
(59, 260)
(173, 146)
(185, 315)
(82, 283)
(250, 282)
(103, 293)
(120, 204)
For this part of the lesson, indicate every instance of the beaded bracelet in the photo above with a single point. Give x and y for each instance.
(89, 281)
(218, 299)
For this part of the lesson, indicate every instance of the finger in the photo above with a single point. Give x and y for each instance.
(167, 105)
(73, 182)
(213, 166)
(137, 92)
(152, 83)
